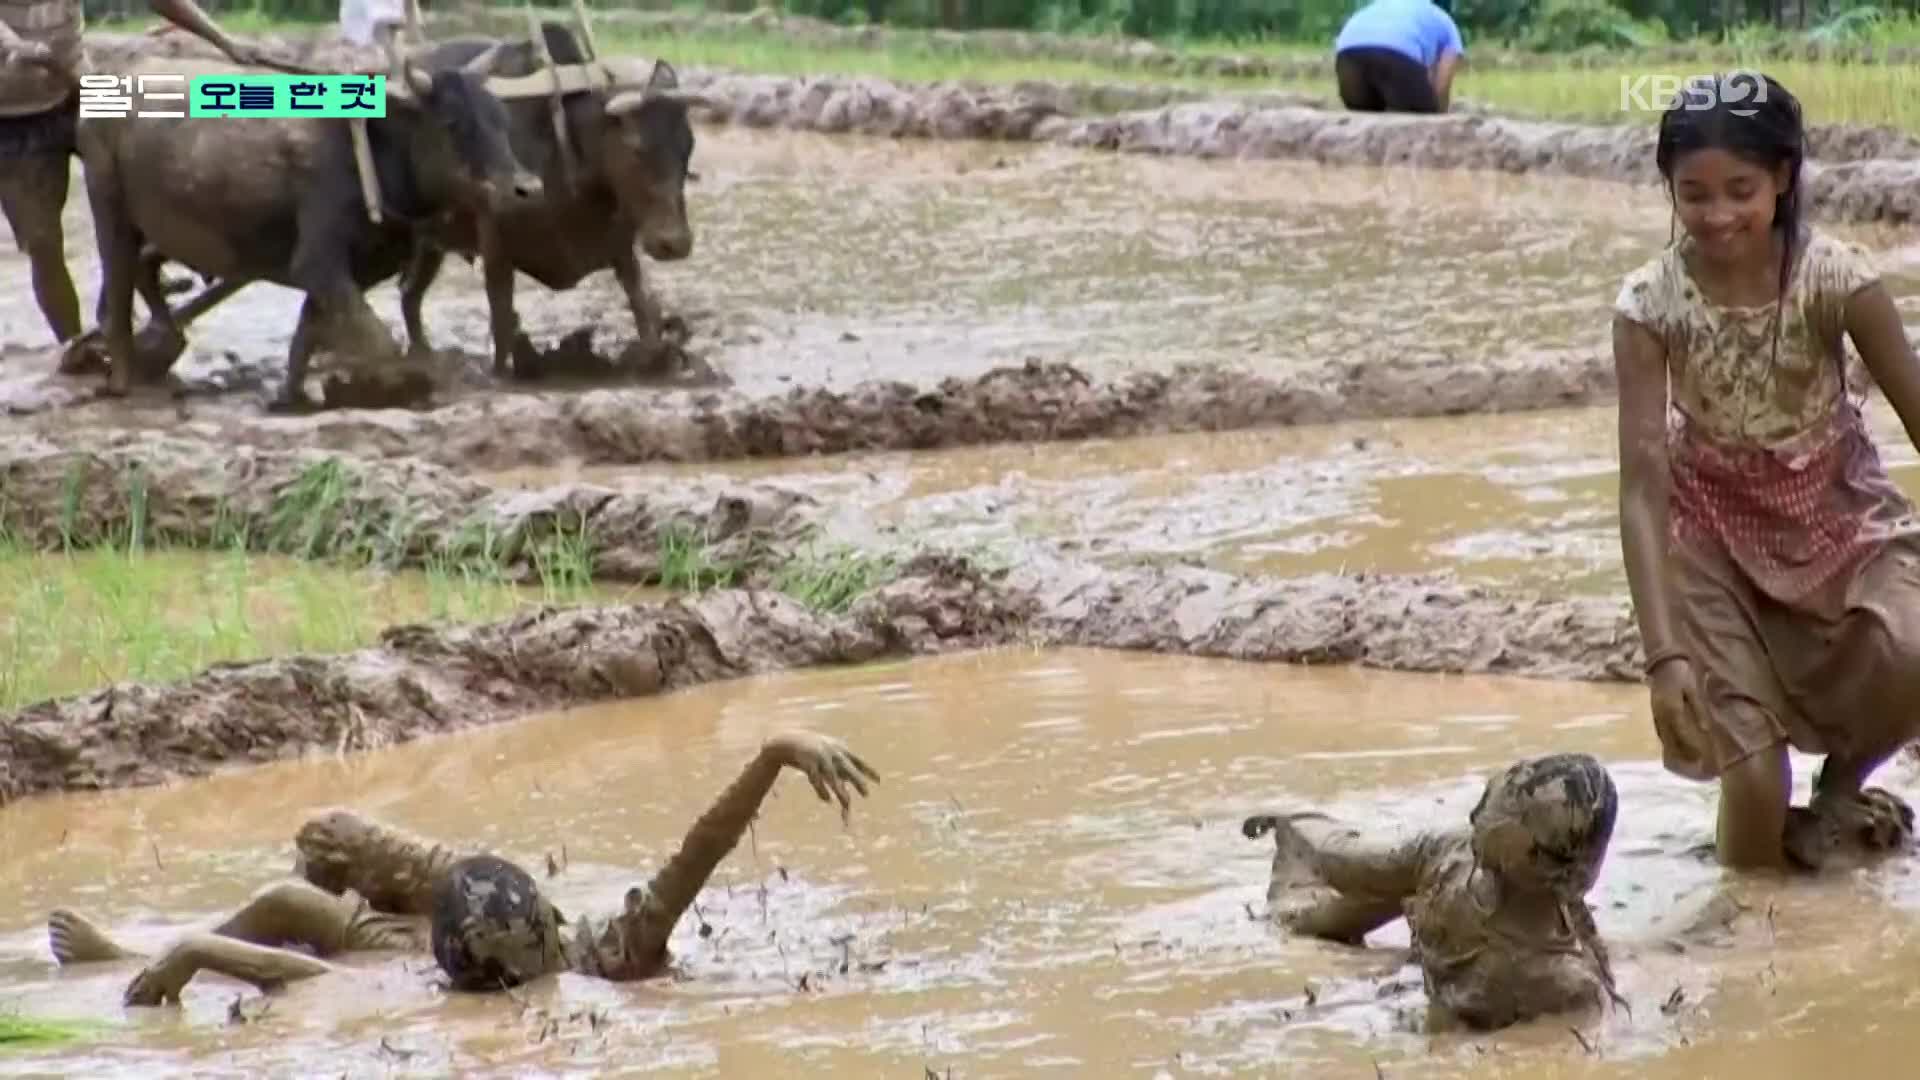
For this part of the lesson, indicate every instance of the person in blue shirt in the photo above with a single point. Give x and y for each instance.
(1398, 56)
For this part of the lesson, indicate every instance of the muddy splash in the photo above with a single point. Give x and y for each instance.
(1033, 402)
(405, 513)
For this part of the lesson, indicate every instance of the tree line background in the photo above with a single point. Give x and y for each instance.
(1540, 24)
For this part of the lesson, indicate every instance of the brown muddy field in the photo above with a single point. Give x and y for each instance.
(1208, 479)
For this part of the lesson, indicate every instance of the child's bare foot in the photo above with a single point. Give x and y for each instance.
(75, 940)
(1869, 821)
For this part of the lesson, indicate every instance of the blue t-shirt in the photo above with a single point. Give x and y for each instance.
(1416, 29)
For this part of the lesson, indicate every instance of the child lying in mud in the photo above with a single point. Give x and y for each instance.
(1497, 911)
(1774, 567)
(362, 885)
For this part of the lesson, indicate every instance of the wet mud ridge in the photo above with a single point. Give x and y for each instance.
(420, 680)
(1034, 401)
(1855, 175)
(198, 494)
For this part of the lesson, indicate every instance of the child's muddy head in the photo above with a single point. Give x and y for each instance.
(1730, 149)
(327, 845)
(491, 927)
(1543, 824)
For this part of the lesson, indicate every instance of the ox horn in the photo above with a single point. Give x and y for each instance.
(662, 85)
(483, 64)
(415, 78)
(663, 77)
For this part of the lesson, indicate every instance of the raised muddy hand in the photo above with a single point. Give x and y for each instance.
(633, 945)
(830, 766)
(75, 939)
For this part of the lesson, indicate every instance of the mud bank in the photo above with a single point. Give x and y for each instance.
(1862, 175)
(420, 680)
(1030, 403)
(1141, 54)
(185, 492)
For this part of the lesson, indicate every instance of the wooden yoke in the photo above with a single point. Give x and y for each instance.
(554, 107)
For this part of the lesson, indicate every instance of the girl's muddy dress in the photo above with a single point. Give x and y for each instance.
(1794, 558)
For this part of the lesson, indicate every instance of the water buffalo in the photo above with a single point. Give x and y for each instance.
(631, 149)
(279, 200)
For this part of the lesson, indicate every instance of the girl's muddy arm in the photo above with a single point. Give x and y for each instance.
(827, 763)
(1875, 327)
(1640, 369)
(266, 968)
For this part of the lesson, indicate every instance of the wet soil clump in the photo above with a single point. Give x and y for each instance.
(1032, 402)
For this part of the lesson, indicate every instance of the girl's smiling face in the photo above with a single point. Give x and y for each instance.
(1727, 204)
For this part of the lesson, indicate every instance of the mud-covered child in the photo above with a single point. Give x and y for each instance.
(361, 885)
(1774, 566)
(1496, 911)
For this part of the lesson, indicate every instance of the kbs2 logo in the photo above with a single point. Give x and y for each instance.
(1739, 90)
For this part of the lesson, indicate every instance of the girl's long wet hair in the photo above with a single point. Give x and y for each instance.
(1749, 115)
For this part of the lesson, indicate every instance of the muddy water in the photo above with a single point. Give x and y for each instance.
(1520, 499)
(822, 259)
(1050, 881)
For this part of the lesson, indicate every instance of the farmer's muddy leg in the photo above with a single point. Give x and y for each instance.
(33, 193)
(266, 968)
(1330, 882)
(393, 869)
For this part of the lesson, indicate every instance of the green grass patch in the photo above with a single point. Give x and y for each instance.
(830, 580)
(34, 1033)
(87, 617)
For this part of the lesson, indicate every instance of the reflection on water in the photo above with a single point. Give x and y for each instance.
(1050, 879)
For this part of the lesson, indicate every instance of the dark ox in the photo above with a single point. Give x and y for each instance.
(631, 150)
(279, 200)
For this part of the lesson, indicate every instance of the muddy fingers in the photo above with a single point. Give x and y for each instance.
(1259, 825)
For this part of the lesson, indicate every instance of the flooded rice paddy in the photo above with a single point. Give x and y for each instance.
(829, 261)
(1523, 499)
(1049, 881)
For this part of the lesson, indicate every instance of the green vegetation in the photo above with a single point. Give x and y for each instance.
(83, 618)
(101, 597)
(32, 1033)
